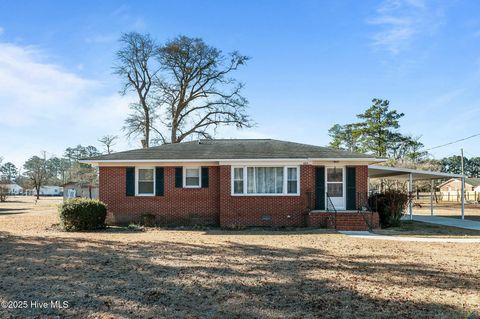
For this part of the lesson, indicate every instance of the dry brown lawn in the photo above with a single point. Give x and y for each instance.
(227, 274)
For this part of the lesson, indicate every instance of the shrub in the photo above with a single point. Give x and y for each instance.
(148, 220)
(82, 214)
(3, 194)
(390, 206)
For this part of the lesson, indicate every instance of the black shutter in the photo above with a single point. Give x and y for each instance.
(204, 177)
(159, 181)
(130, 181)
(320, 188)
(351, 189)
(178, 177)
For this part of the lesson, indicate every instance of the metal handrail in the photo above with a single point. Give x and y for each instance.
(362, 202)
(330, 203)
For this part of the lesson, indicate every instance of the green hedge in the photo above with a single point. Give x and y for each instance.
(82, 214)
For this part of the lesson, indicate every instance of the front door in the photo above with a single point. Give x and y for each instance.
(335, 186)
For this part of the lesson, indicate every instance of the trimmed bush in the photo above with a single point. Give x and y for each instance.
(82, 214)
(390, 206)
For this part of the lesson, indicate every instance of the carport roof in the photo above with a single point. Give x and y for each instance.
(377, 171)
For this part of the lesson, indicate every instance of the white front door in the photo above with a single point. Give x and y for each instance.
(335, 186)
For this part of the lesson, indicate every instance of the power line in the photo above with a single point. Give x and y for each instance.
(460, 140)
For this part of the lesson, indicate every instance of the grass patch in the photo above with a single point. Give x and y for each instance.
(420, 229)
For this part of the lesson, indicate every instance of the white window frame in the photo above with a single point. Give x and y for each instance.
(344, 184)
(136, 182)
(285, 180)
(285, 174)
(233, 179)
(184, 177)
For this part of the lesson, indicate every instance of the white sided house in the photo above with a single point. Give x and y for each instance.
(12, 188)
(83, 190)
(48, 191)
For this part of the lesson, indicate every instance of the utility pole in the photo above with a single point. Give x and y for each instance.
(463, 186)
(461, 150)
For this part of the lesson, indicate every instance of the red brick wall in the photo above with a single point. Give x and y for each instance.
(248, 210)
(215, 204)
(456, 185)
(177, 206)
(362, 178)
(361, 186)
(344, 220)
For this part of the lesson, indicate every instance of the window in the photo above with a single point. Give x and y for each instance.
(292, 180)
(265, 180)
(145, 181)
(192, 177)
(238, 180)
(335, 182)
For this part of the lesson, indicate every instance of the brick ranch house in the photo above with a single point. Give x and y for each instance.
(455, 184)
(231, 183)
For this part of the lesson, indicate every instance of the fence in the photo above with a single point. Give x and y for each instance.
(455, 196)
(450, 196)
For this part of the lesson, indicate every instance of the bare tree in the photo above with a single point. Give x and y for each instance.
(3, 193)
(3, 190)
(36, 170)
(108, 141)
(135, 65)
(196, 93)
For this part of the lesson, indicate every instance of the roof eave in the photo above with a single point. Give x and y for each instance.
(359, 159)
(406, 171)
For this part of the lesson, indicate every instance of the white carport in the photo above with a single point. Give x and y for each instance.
(384, 172)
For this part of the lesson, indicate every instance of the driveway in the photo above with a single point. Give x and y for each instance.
(369, 235)
(445, 221)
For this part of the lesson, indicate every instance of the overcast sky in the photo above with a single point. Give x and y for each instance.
(314, 64)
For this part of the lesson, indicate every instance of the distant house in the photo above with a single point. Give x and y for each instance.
(12, 188)
(455, 184)
(47, 191)
(73, 190)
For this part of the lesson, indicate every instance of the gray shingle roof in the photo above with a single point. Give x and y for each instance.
(473, 181)
(230, 149)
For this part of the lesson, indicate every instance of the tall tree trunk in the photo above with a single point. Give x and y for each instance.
(173, 135)
(146, 111)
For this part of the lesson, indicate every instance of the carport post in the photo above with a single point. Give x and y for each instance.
(463, 197)
(432, 188)
(410, 204)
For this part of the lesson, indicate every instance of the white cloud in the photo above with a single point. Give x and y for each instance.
(32, 88)
(45, 107)
(2, 30)
(400, 21)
